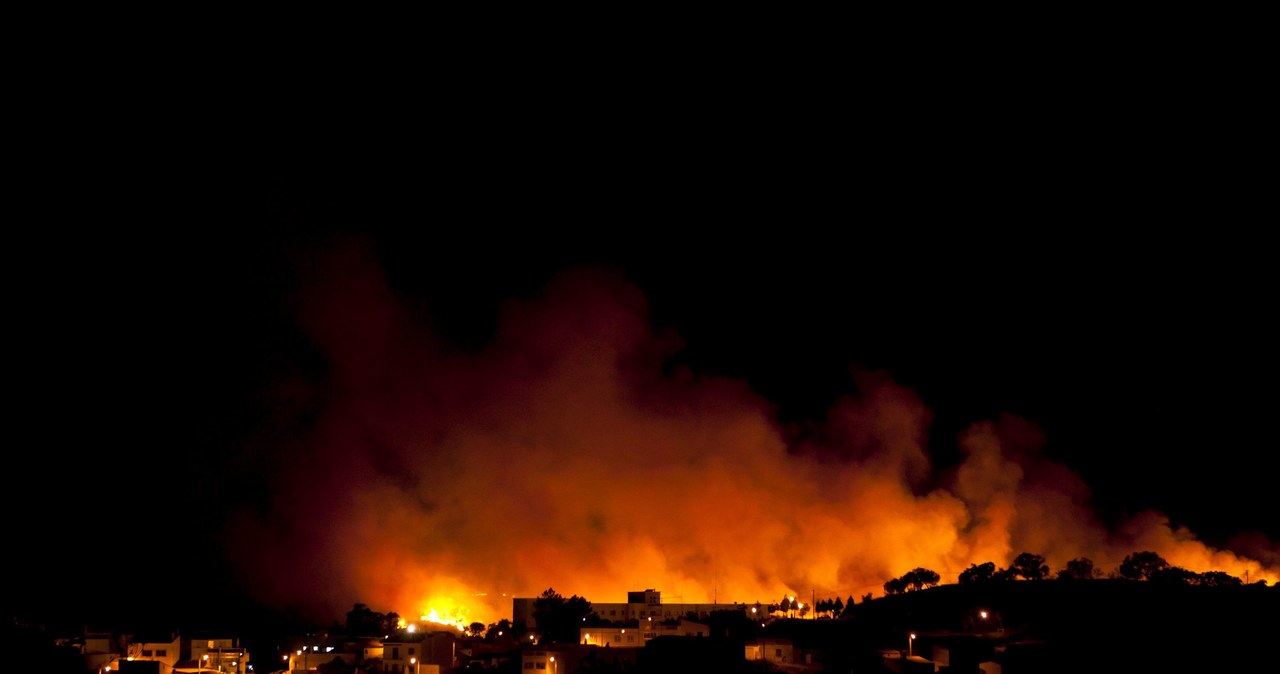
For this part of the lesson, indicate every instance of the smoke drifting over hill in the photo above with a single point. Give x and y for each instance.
(413, 473)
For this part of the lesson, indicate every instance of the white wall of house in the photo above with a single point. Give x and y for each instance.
(167, 653)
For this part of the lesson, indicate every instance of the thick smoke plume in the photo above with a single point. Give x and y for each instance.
(411, 474)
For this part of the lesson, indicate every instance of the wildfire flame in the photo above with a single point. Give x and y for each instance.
(450, 619)
(567, 454)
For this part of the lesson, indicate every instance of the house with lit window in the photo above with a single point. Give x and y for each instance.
(771, 650)
(647, 605)
(636, 637)
(544, 662)
(219, 653)
(99, 649)
(431, 652)
(313, 658)
(164, 649)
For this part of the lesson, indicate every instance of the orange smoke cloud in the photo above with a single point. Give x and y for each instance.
(413, 475)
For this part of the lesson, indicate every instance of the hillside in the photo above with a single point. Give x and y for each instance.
(1104, 625)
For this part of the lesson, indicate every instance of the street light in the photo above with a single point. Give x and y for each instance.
(414, 662)
(553, 664)
(910, 640)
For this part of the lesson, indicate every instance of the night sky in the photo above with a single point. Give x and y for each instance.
(1095, 271)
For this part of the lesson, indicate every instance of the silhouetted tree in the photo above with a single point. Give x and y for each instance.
(1140, 565)
(363, 621)
(502, 628)
(919, 578)
(389, 623)
(1080, 568)
(1029, 567)
(1174, 575)
(978, 573)
(865, 598)
(837, 608)
(1219, 579)
(914, 579)
(558, 618)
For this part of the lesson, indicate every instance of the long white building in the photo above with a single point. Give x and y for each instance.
(642, 606)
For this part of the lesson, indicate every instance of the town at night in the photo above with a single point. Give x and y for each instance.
(956, 387)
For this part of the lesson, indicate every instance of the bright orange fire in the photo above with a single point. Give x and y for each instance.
(421, 477)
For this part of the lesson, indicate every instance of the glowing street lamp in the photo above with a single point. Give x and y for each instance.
(910, 640)
(414, 662)
(982, 614)
(553, 664)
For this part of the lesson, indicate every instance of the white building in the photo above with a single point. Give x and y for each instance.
(635, 637)
(640, 607)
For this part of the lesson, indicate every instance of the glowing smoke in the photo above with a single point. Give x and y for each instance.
(414, 476)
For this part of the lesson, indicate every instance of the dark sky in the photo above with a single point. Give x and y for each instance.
(1092, 263)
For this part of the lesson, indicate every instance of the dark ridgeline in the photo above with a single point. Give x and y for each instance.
(1084, 625)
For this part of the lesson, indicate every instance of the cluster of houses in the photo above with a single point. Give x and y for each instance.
(172, 653)
(641, 634)
(619, 633)
(1000, 628)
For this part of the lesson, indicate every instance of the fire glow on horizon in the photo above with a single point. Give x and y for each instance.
(417, 476)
